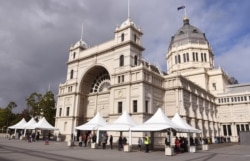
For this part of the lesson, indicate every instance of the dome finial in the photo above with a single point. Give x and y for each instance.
(186, 20)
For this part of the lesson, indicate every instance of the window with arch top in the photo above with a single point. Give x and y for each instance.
(71, 74)
(67, 111)
(121, 60)
(122, 37)
(135, 60)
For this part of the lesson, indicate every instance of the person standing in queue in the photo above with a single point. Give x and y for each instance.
(146, 143)
(104, 140)
(139, 143)
(111, 142)
(120, 141)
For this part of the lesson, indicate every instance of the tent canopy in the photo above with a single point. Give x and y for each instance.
(93, 124)
(183, 124)
(123, 123)
(18, 125)
(44, 125)
(30, 125)
(158, 122)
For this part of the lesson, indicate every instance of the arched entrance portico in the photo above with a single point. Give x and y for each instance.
(94, 93)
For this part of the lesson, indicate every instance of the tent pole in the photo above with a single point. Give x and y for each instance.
(130, 137)
(171, 135)
(24, 134)
(15, 134)
(188, 134)
(97, 137)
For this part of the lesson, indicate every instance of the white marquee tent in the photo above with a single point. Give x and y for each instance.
(30, 124)
(184, 125)
(93, 124)
(18, 125)
(123, 123)
(44, 125)
(158, 122)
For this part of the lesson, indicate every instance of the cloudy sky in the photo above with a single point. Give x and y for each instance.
(35, 36)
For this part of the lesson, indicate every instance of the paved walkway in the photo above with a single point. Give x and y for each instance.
(18, 150)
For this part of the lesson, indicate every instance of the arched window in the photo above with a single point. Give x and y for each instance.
(135, 60)
(181, 32)
(176, 59)
(135, 37)
(179, 59)
(74, 55)
(195, 31)
(121, 60)
(67, 111)
(71, 74)
(187, 57)
(193, 56)
(122, 37)
(60, 111)
(119, 107)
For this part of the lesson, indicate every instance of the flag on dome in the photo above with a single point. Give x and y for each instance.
(181, 7)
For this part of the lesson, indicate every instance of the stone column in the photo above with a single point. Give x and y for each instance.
(205, 129)
(193, 124)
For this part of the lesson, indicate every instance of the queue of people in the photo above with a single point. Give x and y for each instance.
(85, 139)
(180, 144)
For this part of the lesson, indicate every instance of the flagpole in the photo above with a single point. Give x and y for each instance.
(185, 11)
(82, 32)
(128, 9)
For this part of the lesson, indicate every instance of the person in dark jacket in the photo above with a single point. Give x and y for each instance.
(120, 141)
(111, 142)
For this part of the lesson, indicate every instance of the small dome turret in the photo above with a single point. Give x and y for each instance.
(128, 22)
(81, 43)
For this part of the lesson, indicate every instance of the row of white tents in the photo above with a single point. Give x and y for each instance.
(32, 125)
(158, 122)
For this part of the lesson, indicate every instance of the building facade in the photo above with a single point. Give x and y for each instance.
(113, 77)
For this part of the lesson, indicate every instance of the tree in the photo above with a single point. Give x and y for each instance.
(6, 117)
(42, 105)
(33, 104)
(24, 114)
(233, 80)
(11, 105)
(47, 105)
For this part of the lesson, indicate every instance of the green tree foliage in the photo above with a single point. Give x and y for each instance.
(47, 105)
(24, 114)
(42, 105)
(233, 80)
(38, 106)
(7, 118)
(33, 104)
(11, 106)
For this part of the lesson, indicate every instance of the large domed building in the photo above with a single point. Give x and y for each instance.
(112, 77)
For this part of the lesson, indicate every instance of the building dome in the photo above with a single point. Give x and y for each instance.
(80, 43)
(188, 34)
(127, 23)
